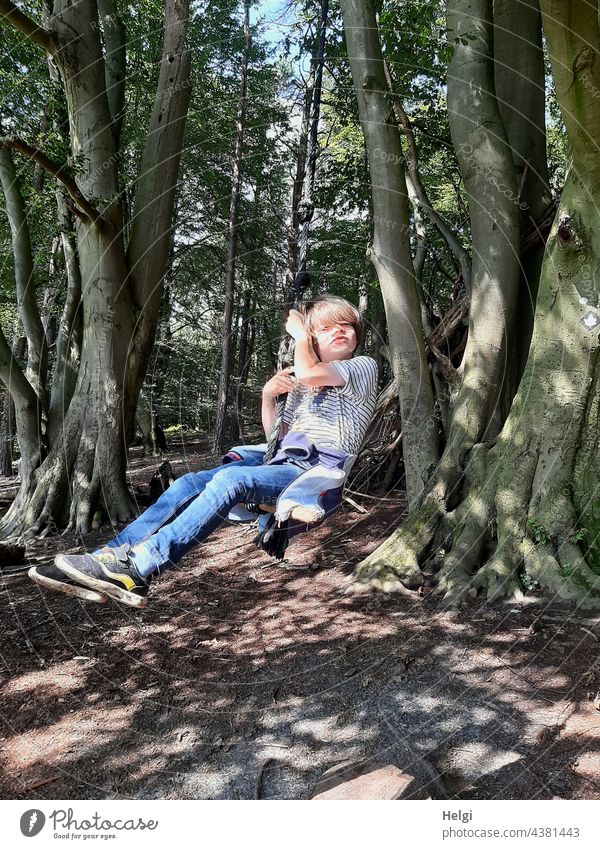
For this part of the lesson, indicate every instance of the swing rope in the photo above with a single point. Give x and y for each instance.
(306, 208)
(274, 538)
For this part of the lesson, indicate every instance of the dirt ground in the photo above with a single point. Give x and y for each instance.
(247, 678)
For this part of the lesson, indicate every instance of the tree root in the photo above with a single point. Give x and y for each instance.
(552, 559)
(392, 568)
(566, 580)
(470, 523)
(395, 565)
(66, 491)
(498, 579)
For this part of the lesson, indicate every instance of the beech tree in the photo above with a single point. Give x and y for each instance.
(390, 250)
(513, 498)
(116, 264)
(234, 211)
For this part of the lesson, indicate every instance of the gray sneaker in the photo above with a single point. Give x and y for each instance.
(51, 578)
(110, 571)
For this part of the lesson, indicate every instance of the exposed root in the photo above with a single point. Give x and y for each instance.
(455, 581)
(397, 562)
(10, 527)
(386, 580)
(552, 559)
(567, 581)
(67, 491)
(470, 524)
(498, 578)
(395, 565)
(456, 586)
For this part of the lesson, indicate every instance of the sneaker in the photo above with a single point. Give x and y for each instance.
(48, 576)
(111, 572)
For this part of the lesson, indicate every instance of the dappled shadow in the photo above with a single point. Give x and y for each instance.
(245, 677)
(248, 678)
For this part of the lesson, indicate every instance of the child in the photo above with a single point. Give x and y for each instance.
(330, 401)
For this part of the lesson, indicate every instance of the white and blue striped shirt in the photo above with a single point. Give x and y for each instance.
(337, 416)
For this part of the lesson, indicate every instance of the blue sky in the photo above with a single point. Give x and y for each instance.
(275, 20)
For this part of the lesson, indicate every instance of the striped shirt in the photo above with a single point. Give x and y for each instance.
(337, 416)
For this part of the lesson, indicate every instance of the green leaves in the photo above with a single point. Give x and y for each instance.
(537, 532)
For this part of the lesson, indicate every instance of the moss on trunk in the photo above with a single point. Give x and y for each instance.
(525, 510)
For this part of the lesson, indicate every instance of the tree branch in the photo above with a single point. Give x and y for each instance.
(26, 25)
(84, 208)
(438, 222)
(13, 377)
(115, 63)
(37, 353)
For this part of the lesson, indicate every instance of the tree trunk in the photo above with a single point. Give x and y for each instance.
(152, 220)
(390, 251)
(70, 331)
(236, 182)
(519, 77)
(52, 294)
(418, 193)
(86, 462)
(488, 173)
(9, 423)
(7, 435)
(244, 355)
(527, 510)
(146, 420)
(378, 339)
(148, 411)
(363, 306)
(37, 351)
(115, 63)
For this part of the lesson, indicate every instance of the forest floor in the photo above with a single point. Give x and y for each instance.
(248, 678)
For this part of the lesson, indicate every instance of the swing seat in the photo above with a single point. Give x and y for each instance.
(306, 515)
(306, 500)
(240, 513)
(300, 501)
(302, 504)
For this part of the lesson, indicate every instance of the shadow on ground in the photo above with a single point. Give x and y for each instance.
(245, 678)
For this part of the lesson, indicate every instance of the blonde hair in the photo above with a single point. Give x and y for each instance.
(330, 309)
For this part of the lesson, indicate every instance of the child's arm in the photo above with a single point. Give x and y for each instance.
(277, 385)
(304, 355)
(308, 368)
(267, 414)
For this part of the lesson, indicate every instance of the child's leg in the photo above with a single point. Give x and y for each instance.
(233, 483)
(170, 504)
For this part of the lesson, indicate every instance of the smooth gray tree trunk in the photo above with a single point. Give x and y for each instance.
(390, 251)
(120, 289)
(234, 204)
(528, 508)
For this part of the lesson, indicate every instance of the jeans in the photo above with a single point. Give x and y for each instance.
(197, 503)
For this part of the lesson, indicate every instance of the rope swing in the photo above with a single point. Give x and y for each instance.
(273, 537)
(306, 209)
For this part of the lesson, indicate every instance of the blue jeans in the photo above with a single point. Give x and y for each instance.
(197, 503)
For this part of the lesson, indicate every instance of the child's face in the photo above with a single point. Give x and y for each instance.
(335, 341)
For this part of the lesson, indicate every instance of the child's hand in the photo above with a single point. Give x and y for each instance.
(279, 384)
(295, 325)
